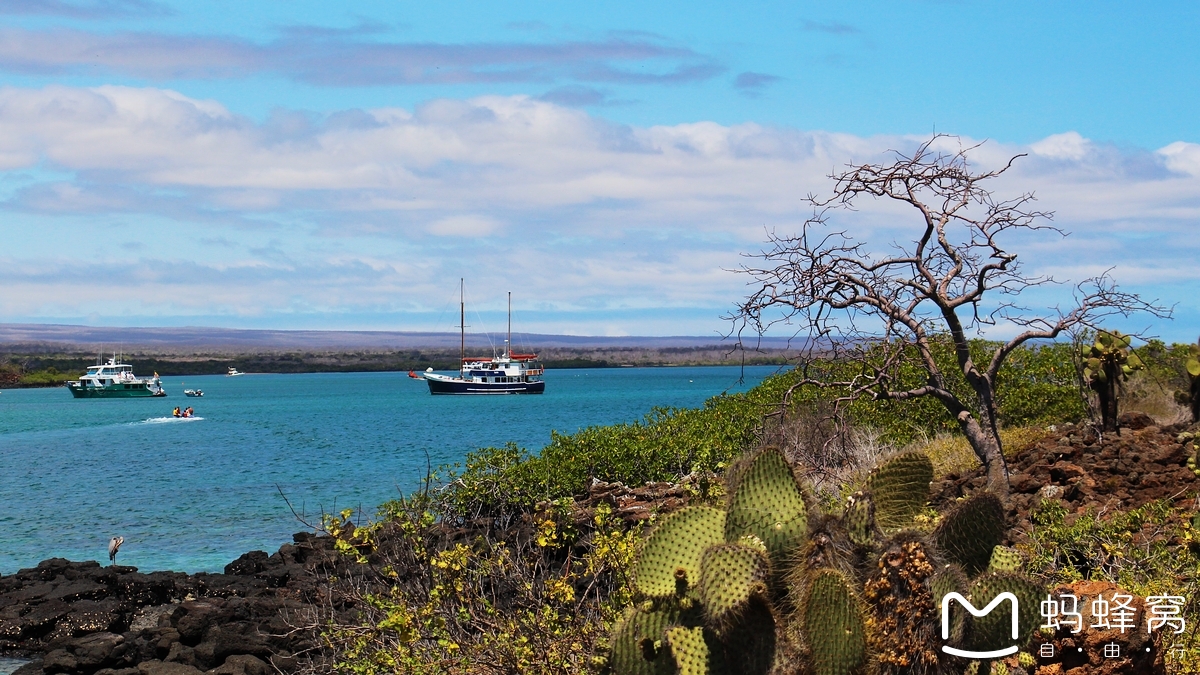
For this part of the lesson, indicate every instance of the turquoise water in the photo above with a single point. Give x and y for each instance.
(192, 495)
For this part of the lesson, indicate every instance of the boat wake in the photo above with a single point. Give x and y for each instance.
(168, 420)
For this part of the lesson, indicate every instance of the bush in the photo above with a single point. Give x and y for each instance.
(538, 598)
(1036, 386)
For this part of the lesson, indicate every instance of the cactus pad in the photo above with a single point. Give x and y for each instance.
(767, 502)
(689, 650)
(949, 579)
(638, 646)
(859, 518)
(1005, 559)
(670, 558)
(730, 575)
(900, 487)
(994, 629)
(833, 623)
(971, 530)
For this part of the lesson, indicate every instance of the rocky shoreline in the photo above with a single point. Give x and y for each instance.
(80, 617)
(262, 615)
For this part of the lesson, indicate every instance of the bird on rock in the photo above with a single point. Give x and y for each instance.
(114, 545)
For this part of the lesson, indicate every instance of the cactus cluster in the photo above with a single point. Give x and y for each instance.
(852, 593)
(1107, 363)
(1191, 397)
(704, 574)
(1192, 447)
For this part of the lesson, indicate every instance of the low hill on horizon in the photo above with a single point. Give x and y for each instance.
(265, 339)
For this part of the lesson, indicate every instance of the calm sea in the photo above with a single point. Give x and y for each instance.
(192, 495)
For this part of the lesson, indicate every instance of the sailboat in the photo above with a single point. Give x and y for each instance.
(508, 373)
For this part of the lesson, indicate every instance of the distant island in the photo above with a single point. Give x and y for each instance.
(34, 355)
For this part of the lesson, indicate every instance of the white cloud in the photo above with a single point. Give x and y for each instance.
(1182, 157)
(463, 226)
(582, 212)
(1069, 146)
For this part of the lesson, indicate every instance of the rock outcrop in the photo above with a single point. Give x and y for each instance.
(82, 618)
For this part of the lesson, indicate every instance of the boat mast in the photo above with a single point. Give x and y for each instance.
(508, 340)
(462, 328)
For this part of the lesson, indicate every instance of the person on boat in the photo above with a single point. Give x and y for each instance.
(176, 411)
(188, 412)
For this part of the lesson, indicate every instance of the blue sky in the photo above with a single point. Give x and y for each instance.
(341, 165)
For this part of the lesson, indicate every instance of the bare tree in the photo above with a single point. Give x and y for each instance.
(885, 311)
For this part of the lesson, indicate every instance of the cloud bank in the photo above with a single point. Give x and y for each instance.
(151, 203)
(344, 59)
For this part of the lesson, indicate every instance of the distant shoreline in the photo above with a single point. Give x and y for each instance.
(31, 368)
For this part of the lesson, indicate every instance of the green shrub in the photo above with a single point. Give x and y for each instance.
(1036, 387)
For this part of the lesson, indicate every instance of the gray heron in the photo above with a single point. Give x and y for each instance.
(114, 545)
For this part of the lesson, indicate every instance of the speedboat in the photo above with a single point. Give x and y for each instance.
(233, 372)
(508, 373)
(193, 392)
(115, 380)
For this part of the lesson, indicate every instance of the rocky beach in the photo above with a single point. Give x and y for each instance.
(262, 615)
(81, 617)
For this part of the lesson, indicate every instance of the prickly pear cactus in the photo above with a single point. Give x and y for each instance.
(689, 650)
(730, 576)
(902, 620)
(669, 563)
(767, 502)
(970, 531)
(1005, 559)
(1106, 363)
(833, 624)
(899, 488)
(638, 642)
(859, 518)
(994, 630)
(1191, 398)
(950, 579)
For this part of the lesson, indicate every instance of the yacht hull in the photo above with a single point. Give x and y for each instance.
(114, 391)
(463, 387)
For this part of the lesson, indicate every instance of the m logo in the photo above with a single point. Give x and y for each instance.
(978, 612)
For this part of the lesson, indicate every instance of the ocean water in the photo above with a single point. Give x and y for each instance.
(192, 495)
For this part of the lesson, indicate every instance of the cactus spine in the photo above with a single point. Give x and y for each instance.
(731, 575)
(767, 502)
(971, 530)
(994, 629)
(833, 623)
(899, 488)
(637, 644)
(670, 560)
(1005, 559)
(859, 518)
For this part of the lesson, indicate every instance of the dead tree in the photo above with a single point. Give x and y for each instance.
(884, 310)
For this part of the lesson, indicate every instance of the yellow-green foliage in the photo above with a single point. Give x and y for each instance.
(1150, 550)
(953, 454)
(1035, 387)
(486, 606)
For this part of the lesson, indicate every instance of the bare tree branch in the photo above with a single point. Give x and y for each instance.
(956, 277)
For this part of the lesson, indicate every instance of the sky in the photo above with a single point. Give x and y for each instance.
(317, 165)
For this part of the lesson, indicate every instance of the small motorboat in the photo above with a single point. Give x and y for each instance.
(193, 392)
(233, 372)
